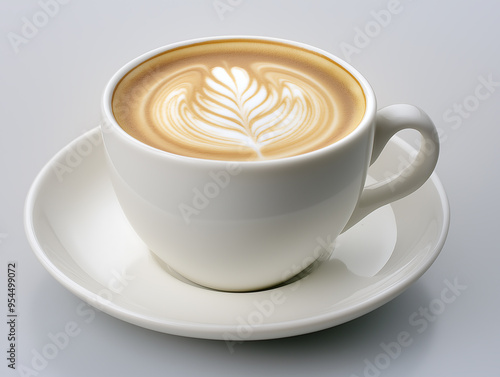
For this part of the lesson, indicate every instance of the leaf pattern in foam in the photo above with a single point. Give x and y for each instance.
(237, 109)
(233, 110)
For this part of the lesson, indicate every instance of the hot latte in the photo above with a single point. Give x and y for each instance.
(238, 100)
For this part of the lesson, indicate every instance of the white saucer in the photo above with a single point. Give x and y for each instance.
(80, 235)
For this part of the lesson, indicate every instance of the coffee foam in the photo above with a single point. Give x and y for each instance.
(257, 104)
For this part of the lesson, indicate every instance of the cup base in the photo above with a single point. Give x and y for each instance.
(324, 255)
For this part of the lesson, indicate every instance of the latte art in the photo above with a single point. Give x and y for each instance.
(261, 112)
(223, 106)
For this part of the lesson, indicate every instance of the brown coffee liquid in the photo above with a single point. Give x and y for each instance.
(238, 100)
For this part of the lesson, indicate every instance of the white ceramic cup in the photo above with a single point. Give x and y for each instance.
(241, 226)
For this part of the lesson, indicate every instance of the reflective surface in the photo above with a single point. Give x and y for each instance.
(80, 235)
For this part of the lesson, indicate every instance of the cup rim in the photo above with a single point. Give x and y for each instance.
(109, 119)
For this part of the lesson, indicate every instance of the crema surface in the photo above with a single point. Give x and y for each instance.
(238, 100)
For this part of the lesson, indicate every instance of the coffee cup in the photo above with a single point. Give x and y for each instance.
(230, 156)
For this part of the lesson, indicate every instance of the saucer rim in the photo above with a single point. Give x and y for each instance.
(216, 331)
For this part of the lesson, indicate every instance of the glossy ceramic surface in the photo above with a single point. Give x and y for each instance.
(81, 236)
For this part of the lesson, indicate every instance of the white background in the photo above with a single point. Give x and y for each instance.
(431, 54)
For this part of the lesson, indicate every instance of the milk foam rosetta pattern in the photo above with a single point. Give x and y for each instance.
(262, 111)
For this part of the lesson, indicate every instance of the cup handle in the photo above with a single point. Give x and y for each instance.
(389, 121)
